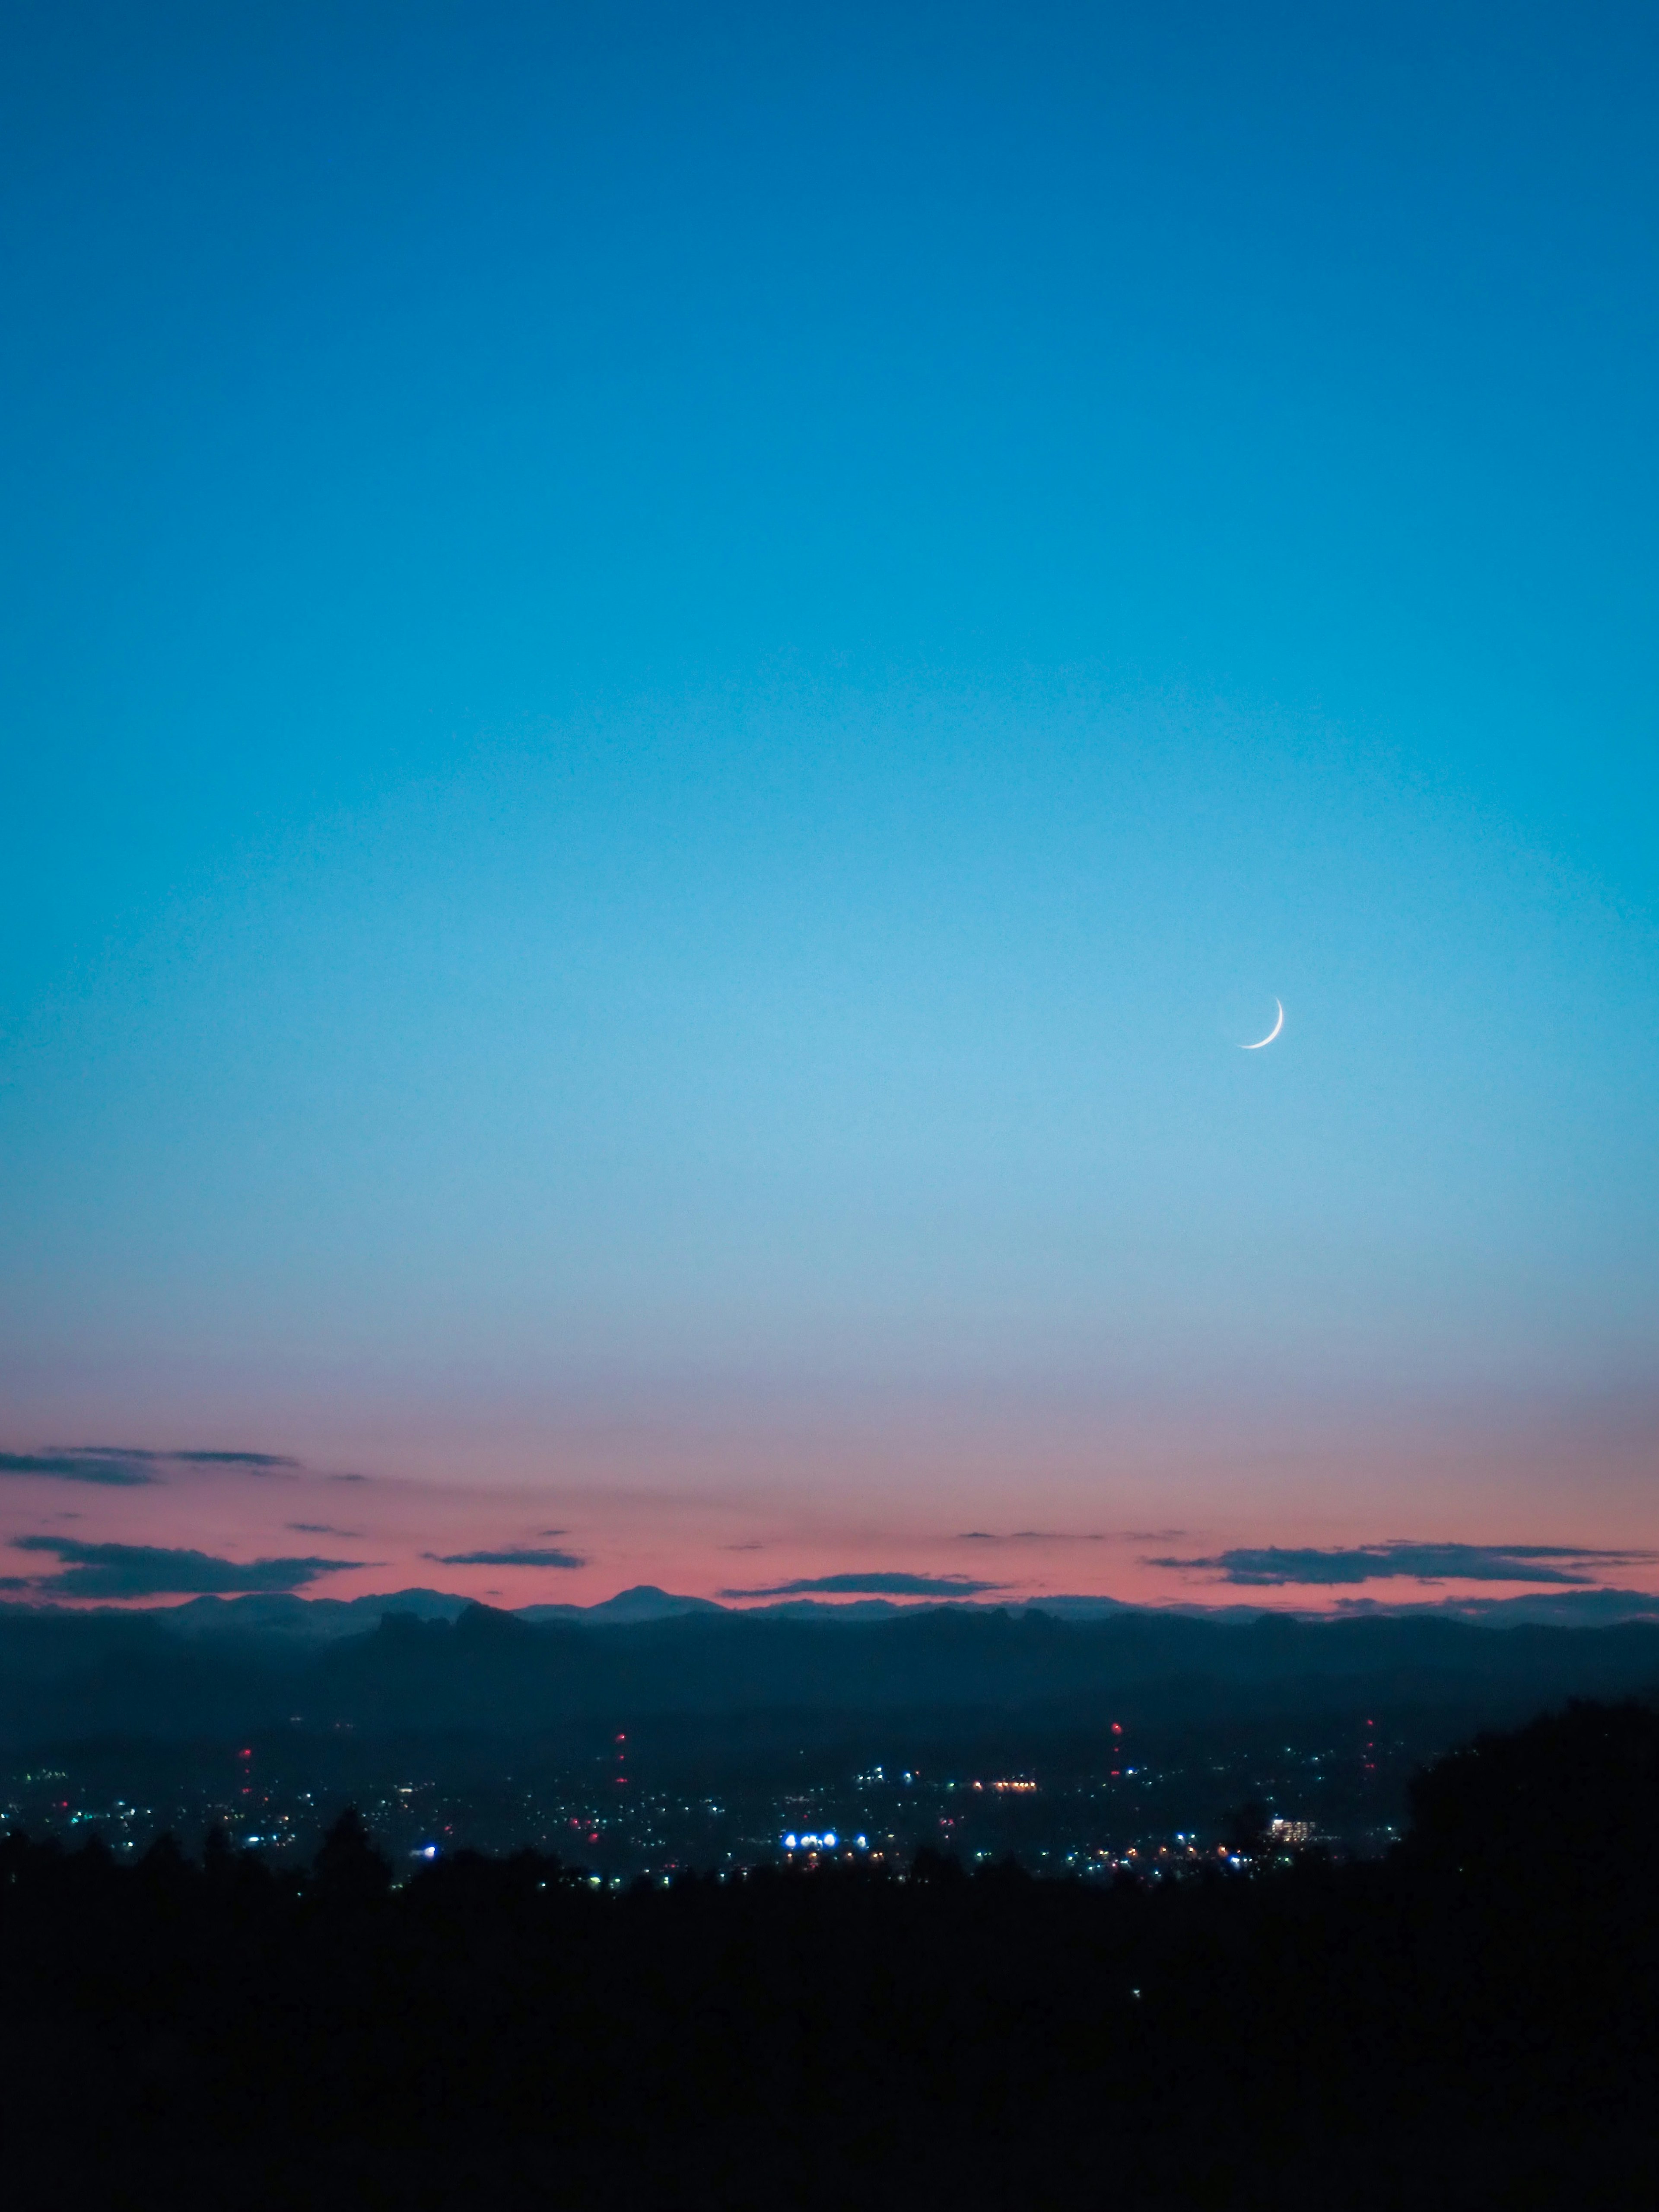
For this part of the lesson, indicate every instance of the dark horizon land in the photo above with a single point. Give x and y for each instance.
(829, 1042)
(655, 1735)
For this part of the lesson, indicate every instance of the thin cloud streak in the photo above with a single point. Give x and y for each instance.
(1032, 1536)
(259, 1462)
(516, 1557)
(1070, 1536)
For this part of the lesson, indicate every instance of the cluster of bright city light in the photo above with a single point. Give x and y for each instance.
(829, 1841)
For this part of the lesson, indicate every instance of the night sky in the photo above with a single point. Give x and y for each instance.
(677, 678)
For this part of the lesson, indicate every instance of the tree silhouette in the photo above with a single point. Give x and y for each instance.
(1246, 1831)
(349, 1870)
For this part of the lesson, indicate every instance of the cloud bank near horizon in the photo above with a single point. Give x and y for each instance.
(871, 1585)
(1272, 1567)
(129, 1570)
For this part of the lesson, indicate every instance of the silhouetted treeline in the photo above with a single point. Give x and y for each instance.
(1491, 1985)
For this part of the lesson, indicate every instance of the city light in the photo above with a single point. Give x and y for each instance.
(1138, 1820)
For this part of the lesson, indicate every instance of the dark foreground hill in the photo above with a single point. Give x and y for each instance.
(1473, 2020)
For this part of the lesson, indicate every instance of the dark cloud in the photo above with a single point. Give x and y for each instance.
(255, 1462)
(125, 1465)
(1271, 1565)
(348, 1478)
(263, 1461)
(320, 1528)
(75, 1467)
(875, 1585)
(117, 1570)
(1032, 1536)
(514, 1558)
(1070, 1536)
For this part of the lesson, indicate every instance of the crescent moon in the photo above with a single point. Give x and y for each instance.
(1272, 1033)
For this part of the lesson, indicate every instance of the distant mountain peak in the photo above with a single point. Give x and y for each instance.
(644, 1602)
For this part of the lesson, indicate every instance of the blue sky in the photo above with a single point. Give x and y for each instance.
(677, 679)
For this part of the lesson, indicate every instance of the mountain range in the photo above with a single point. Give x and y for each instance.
(424, 1661)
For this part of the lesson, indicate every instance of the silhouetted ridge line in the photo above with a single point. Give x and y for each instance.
(437, 1663)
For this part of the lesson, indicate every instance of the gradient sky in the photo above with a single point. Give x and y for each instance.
(676, 678)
